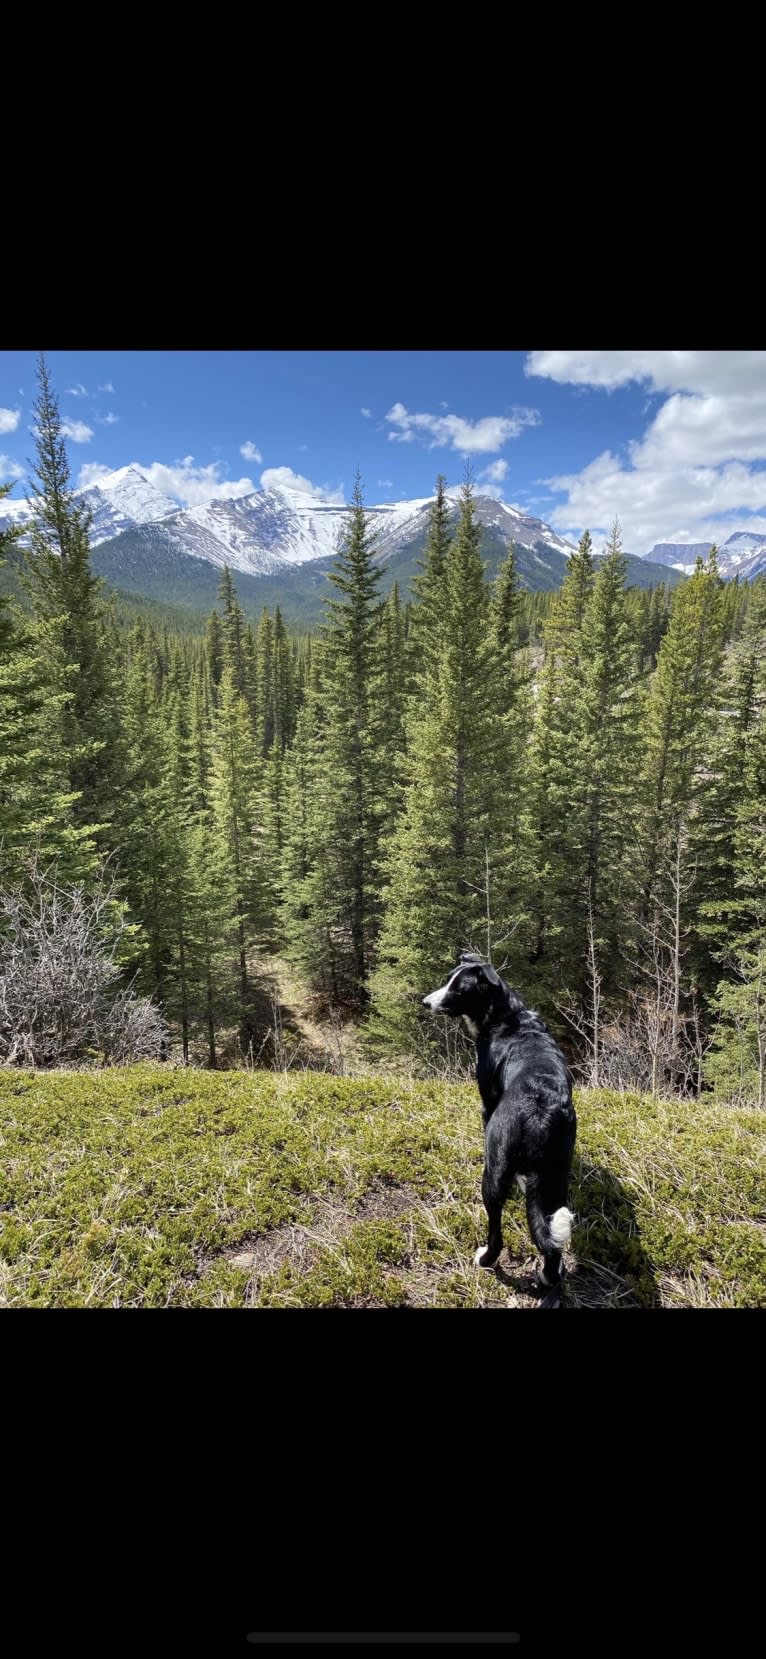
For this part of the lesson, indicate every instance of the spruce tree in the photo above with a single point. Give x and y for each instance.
(428, 584)
(215, 652)
(446, 839)
(66, 600)
(681, 715)
(233, 781)
(610, 756)
(350, 809)
(266, 723)
(232, 632)
(733, 878)
(392, 692)
(557, 829)
(36, 801)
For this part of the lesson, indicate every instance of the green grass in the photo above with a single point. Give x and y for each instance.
(153, 1187)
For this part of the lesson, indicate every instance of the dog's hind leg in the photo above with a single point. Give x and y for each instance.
(499, 1171)
(550, 1224)
(493, 1193)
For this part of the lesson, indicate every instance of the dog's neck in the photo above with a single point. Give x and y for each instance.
(507, 1009)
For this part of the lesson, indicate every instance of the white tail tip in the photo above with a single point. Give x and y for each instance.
(560, 1226)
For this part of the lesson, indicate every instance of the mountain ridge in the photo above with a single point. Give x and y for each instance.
(743, 555)
(281, 543)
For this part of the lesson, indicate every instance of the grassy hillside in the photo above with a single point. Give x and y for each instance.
(153, 1187)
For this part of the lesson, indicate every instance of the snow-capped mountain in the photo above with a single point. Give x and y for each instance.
(679, 555)
(745, 555)
(119, 501)
(123, 499)
(742, 555)
(270, 530)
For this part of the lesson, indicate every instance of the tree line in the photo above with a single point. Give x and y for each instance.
(574, 784)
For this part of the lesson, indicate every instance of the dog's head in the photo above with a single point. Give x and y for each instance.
(471, 992)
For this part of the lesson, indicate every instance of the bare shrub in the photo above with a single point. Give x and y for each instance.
(62, 1002)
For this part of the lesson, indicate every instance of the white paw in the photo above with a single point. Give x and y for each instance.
(478, 1260)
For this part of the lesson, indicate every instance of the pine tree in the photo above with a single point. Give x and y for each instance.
(283, 695)
(428, 584)
(681, 718)
(715, 827)
(307, 918)
(445, 842)
(232, 633)
(215, 652)
(507, 761)
(557, 802)
(350, 808)
(147, 851)
(233, 783)
(66, 600)
(266, 724)
(733, 827)
(393, 695)
(681, 714)
(737, 1066)
(611, 758)
(36, 802)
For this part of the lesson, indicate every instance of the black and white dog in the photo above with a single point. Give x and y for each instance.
(529, 1119)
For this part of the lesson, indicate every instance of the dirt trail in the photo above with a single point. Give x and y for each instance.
(304, 1037)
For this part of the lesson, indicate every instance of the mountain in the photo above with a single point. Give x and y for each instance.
(281, 543)
(679, 555)
(151, 561)
(119, 501)
(742, 555)
(260, 533)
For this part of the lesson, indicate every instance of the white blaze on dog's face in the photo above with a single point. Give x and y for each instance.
(468, 993)
(435, 1000)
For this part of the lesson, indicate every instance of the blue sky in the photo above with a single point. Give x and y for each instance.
(673, 443)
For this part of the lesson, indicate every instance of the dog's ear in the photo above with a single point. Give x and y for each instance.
(469, 959)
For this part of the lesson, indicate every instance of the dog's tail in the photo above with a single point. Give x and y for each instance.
(549, 1231)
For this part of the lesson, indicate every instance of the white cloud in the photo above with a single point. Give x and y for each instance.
(193, 485)
(283, 478)
(367, 414)
(90, 473)
(77, 431)
(9, 468)
(490, 480)
(249, 451)
(444, 406)
(9, 419)
(107, 420)
(494, 473)
(76, 391)
(107, 387)
(693, 475)
(385, 483)
(453, 432)
(666, 371)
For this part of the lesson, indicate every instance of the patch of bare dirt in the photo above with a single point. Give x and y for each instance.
(297, 1242)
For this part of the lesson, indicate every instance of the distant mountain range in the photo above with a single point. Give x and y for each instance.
(742, 555)
(282, 543)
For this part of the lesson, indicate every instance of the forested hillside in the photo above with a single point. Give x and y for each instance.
(574, 784)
